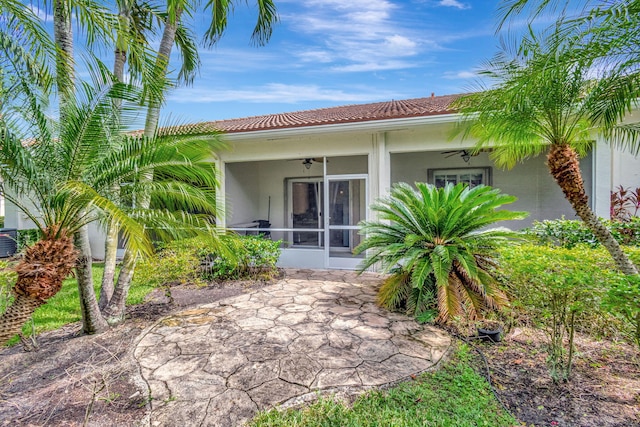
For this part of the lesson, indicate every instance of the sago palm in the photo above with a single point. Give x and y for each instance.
(437, 247)
(543, 100)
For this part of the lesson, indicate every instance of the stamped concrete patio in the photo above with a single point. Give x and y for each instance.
(314, 331)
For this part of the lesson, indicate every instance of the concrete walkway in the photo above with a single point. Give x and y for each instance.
(218, 364)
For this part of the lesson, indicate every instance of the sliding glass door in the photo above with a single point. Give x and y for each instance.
(346, 198)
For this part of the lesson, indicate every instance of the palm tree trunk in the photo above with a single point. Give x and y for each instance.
(63, 35)
(564, 165)
(111, 240)
(110, 258)
(16, 315)
(40, 274)
(162, 64)
(92, 320)
(115, 309)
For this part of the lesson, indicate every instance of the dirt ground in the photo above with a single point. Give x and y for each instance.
(74, 380)
(603, 390)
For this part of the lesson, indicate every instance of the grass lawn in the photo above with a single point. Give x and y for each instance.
(64, 307)
(455, 396)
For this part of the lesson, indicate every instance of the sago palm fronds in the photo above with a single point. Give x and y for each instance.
(435, 242)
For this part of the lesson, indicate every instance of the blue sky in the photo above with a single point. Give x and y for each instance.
(336, 52)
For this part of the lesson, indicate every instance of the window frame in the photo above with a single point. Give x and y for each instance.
(486, 173)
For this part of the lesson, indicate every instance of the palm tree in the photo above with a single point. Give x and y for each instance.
(64, 180)
(219, 10)
(546, 101)
(436, 244)
(137, 21)
(99, 24)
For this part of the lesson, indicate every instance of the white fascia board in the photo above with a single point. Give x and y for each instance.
(372, 125)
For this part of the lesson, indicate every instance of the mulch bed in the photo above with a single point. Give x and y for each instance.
(603, 390)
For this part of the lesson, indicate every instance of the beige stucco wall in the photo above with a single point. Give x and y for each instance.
(625, 169)
(530, 181)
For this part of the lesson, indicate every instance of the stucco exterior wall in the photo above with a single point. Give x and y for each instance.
(530, 181)
(625, 169)
(393, 155)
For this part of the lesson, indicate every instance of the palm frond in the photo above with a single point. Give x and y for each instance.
(439, 241)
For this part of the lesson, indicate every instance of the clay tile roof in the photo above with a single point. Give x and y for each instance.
(393, 109)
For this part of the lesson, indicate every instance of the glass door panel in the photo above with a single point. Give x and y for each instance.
(346, 198)
(306, 212)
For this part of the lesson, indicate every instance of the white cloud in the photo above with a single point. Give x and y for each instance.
(279, 93)
(316, 56)
(374, 66)
(227, 60)
(452, 75)
(356, 35)
(454, 3)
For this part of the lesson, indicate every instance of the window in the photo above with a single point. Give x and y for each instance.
(472, 176)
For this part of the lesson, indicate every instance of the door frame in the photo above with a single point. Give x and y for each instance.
(344, 263)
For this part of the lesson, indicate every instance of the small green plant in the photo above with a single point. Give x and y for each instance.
(253, 256)
(176, 262)
(570, 233)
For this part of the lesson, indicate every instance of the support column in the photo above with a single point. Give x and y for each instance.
(602, 170)
(221, 194)
(379, 168)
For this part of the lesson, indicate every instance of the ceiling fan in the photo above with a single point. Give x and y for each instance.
(307, 162)
(465, 154)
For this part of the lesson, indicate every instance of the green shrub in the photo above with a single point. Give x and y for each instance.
(623, 300)
(569, 233)
(177, 262)
(251, 256)
(199, 259)
(561, 289)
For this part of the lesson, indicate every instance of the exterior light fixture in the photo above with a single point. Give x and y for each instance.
(307, 163)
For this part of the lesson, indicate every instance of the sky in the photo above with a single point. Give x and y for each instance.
(326, 53)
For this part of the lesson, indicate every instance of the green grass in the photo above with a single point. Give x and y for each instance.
(64, 307)
(455, 396)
